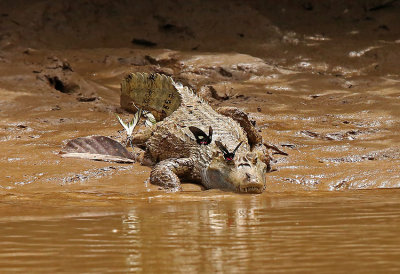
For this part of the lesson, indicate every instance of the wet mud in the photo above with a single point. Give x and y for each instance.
(321, 79)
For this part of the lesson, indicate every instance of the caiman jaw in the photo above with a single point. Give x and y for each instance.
(251, 189)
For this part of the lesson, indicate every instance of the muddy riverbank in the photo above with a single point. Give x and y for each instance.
(320, 78)
(325, 93)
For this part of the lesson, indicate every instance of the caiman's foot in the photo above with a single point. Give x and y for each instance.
(140, 138)
(165, 173)
(263, 155)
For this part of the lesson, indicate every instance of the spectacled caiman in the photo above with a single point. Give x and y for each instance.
(179, 146)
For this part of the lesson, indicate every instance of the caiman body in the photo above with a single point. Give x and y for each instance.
(173, 148)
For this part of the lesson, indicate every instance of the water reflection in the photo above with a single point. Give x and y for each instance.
(260, 233)
(183, 236)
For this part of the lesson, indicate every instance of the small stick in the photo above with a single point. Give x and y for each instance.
(278, 151)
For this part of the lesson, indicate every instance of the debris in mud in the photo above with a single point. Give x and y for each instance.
(384, 154)
(165, 71)
(308, 6)
(215, 95)
(310, 182)
(341, 185)
(276, 149)
(173, 29)
(168, 27)
(97, 148)
(165, 61)
(151, 60)
(220, 93)
(56, 63)
(380, 5)
(310, 133)
(61, 77)
(383, 27)
(292, 146)
(75, 178)
(224, 72)
(30, 51)
(337, 136)
(61, 86)
(89, 174)
(143, 42)
(134, 60)
(87, 99)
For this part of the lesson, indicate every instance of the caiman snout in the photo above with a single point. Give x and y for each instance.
(250, 178)
(251, 184)
(245, 174)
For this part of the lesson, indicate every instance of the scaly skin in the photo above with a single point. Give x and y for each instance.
(172, 146)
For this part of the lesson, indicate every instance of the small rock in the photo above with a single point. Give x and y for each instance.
(143, 42)
(224, 72)
(86, 99)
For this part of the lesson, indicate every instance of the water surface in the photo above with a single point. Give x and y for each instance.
(207, 232)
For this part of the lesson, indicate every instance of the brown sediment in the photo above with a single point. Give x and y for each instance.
(320, 78)
(316, 93)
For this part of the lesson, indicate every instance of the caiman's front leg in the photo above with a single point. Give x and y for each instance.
(139, 139)
(167, 173)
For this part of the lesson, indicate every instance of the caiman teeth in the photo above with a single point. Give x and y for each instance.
(251, 189)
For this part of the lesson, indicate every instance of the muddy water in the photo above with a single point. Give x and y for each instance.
(321, 80)
(208, 232)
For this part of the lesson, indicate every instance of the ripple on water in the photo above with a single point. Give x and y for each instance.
(211, 233)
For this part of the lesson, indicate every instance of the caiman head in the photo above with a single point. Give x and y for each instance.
(242, 172)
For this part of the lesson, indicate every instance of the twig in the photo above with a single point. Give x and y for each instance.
(278, 151)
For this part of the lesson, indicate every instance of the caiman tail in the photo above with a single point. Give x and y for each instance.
(153, 92)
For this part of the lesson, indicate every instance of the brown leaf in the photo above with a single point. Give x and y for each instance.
(99, 148)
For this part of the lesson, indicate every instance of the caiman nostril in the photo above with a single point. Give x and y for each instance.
(251, 178)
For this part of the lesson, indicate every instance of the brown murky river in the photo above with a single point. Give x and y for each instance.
(320, 78)
(201, 232)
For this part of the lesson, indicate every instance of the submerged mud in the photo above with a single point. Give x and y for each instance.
(320, 78)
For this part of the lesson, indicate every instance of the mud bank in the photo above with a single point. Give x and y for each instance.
(321, 79)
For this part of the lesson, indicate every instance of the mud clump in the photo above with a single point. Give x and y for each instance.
(60, 76)
(143, 42)
(61, 86)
